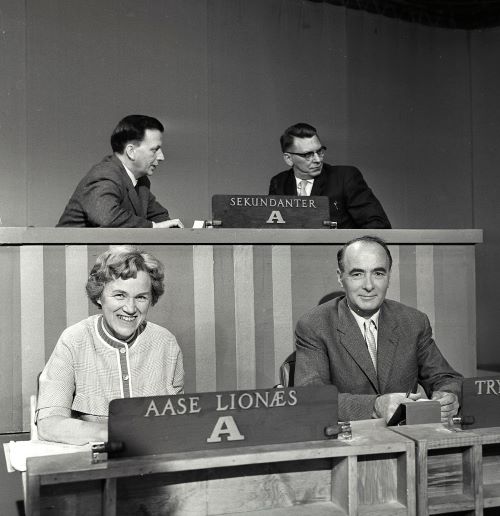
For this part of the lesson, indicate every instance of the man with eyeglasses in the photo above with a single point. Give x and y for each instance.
(352, 203)
(115, 193)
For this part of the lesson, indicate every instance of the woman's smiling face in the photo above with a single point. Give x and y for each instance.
(125, 304)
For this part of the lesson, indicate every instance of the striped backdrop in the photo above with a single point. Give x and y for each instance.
(232, 307)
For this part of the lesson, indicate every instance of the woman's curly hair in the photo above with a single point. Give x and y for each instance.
(124, 262)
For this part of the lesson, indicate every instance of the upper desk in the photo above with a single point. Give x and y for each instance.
(39, 235)
(232, 296)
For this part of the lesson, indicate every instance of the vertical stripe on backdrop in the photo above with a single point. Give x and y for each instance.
(54, 273)
(244, 316)
(175, 310)
(225, 331)
(77, 272)
(425, 281)
(455, 310)
(394, 291)
(32, 323)
(313, 278)
(204, 318)
(93, 252)
(282, 304)
(11, 401)
(408, 275)
(265, 365)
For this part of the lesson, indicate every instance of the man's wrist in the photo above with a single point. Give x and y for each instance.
(375, 413)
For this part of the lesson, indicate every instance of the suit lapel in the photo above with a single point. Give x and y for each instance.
(387, 343)
(132, 194)
(290, 187)
(318, 187)
(353, 341)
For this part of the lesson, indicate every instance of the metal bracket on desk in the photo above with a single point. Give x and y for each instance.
(213, 223)
(100, 451)
(341, 431)
(462, 420)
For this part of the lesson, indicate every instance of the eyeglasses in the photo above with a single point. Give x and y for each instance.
(308, 156)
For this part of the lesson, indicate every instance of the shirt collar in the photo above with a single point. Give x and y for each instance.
(132, 177)
(110, 339)
(298, 180)
(361, 320)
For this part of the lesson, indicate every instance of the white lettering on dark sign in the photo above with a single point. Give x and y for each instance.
(275, 217)
(266, 202)
(248, 400)
(183, 405)
(225, 426)
(487, 387)
(225, 402)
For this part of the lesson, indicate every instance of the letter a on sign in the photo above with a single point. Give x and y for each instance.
(225, 425)
(275, 217)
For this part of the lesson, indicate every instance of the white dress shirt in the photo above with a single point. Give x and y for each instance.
(361, 323)
(309, 185)
(132, 177)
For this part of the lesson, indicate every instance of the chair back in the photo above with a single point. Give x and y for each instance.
(33, 427)
(287, 371)
(33, 402)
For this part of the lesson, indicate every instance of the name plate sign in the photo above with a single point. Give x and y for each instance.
(480, 402)
(271, 211)
(216, 420)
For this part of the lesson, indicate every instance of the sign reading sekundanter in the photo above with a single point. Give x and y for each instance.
(271, 211)
(215, 420)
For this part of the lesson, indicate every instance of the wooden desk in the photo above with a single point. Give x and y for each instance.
(448, 469)
(455, 471)
(232, 296)
(489, 439)
(420, 469)
(373, 474)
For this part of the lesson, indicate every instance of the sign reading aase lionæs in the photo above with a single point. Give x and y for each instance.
(214, 420)
(270, 211)
(480, 406)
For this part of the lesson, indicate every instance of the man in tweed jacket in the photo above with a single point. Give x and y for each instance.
(372, 349)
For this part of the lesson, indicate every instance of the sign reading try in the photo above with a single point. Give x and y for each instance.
(206, 421)
(480, 406)
(270, 211)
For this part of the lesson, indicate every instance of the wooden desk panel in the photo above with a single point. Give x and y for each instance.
(490, 472)
(456, 471)
(373, 474)
(448, 476)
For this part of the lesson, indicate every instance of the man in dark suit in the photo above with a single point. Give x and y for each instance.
(352, 203)
(372, 349)
(115, 193)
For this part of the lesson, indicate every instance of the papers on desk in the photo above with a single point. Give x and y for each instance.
(16, 452)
